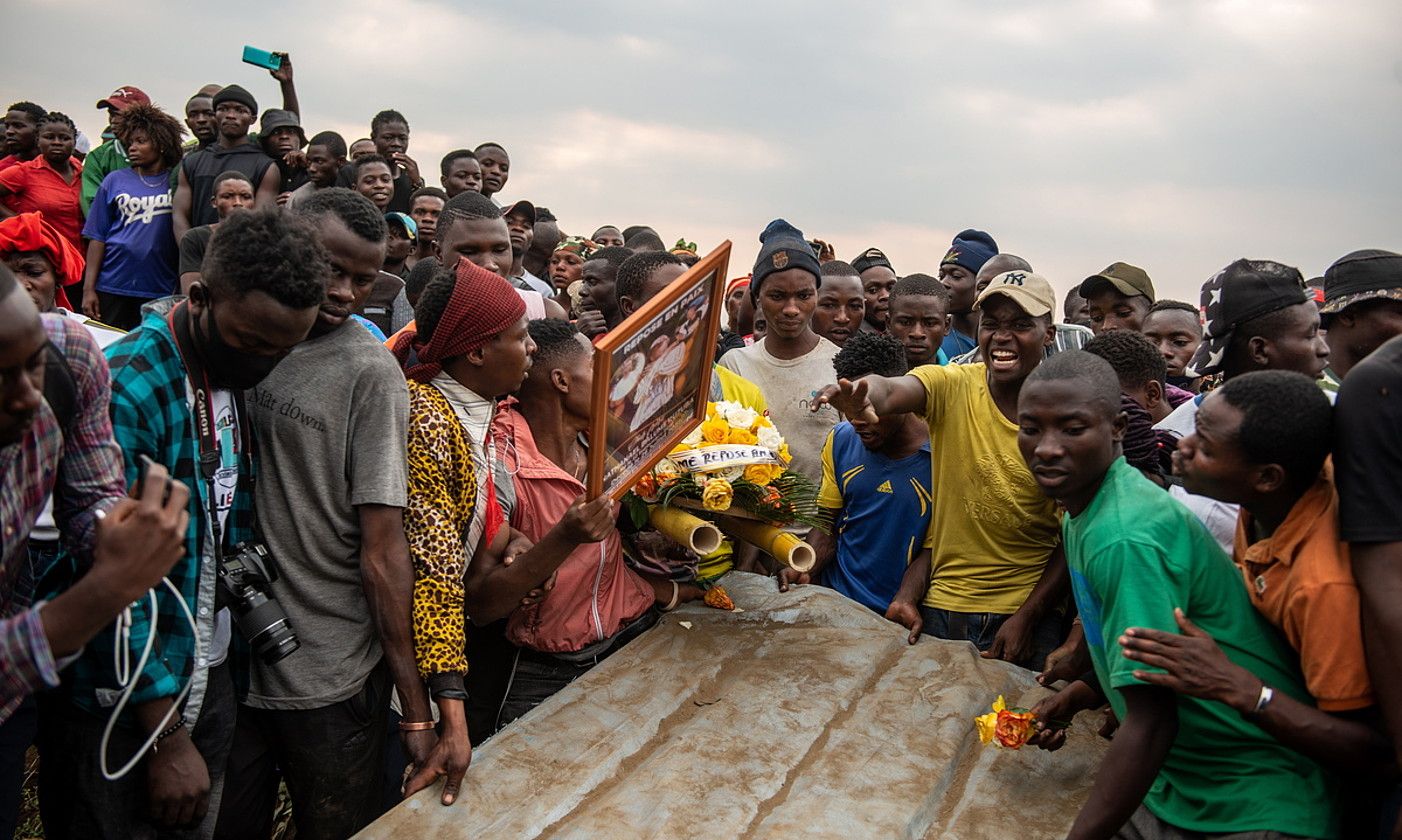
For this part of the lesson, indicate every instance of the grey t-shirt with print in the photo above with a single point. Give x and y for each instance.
(331, 427)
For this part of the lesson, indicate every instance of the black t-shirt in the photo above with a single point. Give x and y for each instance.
(202, 167)
(379, 306)
(192, 247)
(1368, 447)
(398, 203)
(292, 176)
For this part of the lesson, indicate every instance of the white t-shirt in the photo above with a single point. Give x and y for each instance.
(1182, 421)
(1219, 517)
(226, 431)
(789, 387)
(226, 481)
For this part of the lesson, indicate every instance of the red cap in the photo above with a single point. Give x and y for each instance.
(124, 97)
(523, 207)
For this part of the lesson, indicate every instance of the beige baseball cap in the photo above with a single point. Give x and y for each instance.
(1027, 289)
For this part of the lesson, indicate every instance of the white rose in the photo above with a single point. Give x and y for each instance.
(728, 473)
(770, 438)
(740, 417)
(693, 438)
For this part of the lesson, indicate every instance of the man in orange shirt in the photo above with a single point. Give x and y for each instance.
(1262, 441)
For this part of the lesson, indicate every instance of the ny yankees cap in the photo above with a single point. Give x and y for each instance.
(1030, 291)
(1244, 290)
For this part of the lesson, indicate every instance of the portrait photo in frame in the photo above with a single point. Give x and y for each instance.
(652, 376)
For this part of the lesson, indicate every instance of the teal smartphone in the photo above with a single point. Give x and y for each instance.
(261, 58)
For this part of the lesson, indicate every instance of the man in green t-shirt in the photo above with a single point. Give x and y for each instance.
(1179, 766)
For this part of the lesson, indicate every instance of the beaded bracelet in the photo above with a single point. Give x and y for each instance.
(167, 732)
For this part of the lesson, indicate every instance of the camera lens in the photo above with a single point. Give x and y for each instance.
(276, 642)
(267, 630)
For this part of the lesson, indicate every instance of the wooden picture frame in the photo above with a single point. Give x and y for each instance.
(652, 376)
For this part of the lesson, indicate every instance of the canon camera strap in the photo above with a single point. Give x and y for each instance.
(207, 436)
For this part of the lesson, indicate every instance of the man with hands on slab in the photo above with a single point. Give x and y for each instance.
(599, 603)
(1261, 442)
(994, 573)
(1179, 766)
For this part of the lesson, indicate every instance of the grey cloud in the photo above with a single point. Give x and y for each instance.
(1178, 135)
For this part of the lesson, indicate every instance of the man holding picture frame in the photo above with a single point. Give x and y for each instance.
(641, 278)
(652, 373)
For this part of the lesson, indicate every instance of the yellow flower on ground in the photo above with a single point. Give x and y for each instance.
(715, 431)
(741, 436)
(986, 725)
(1005, 727)
(717, 494)
(1014, 728)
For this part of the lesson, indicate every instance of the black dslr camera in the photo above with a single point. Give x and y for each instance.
(244, 576)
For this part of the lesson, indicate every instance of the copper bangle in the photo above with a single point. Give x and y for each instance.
(416, 726)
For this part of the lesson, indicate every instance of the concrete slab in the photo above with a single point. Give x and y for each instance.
(802, 714)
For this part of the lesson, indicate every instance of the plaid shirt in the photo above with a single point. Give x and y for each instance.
(83, 470)
(151, 415)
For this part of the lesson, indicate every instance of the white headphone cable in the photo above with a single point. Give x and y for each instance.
(127, 678)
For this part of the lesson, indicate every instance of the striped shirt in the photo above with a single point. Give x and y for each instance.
(82, 470)
(151, 416)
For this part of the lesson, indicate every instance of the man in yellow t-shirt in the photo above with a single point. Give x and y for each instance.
(992, 571)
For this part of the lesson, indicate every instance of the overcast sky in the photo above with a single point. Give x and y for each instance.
(1174, 135)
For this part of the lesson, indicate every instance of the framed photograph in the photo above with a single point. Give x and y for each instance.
(652, 376)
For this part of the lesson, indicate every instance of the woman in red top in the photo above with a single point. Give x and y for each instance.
(50, 182)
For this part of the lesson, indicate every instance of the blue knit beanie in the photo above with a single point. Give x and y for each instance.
(782, 247)
(971, 249)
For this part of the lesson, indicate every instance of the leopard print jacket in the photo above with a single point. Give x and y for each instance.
(442, 502)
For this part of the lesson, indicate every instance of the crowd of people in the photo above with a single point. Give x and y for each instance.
(294, 453)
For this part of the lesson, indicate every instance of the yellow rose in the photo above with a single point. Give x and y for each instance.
(715, 431)
(717, 494)
(762, 474)
(986, 725)
(741, 436)
(784, 454)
